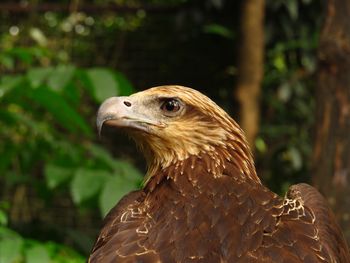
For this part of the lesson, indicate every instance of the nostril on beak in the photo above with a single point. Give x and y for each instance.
(127, 103)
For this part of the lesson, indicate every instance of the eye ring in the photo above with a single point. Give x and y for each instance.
(171, 106)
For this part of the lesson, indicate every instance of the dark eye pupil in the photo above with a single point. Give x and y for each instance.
(171, 105)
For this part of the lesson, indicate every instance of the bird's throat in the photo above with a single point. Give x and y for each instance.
(213, 164)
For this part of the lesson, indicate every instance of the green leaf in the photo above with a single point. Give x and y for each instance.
(56, 175)
(57, 78)
(124, 85)
(128, 171)
(284, 92)
(10, 249)
(24, 54)
(63, 254)
(38, 36)
(3, 218)
(279, 62)
(260, 145)
(113, 190)
(7, 61)
(295, 158)
(37, 254)
(6, 233)
(72, 94)
(7, 83)
(86, 184)
(309, 63)
(64, 114)
(103, 83)
(61, 76)
(292, 7)
(68, 154)
(100, 153)
(219, 30)
(37, 76)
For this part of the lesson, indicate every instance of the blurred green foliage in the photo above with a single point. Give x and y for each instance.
(42, 119)
(15, 248)
(284, 144)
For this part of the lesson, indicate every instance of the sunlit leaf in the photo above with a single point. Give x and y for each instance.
(292, 7)
(60, 76)
(56, 78)
(38, 35)
(260, 145)
(86, 184)
(7, 61)
(294, 156)
(103, 83)
(284, 92)
(63, 254)
(113, 190)
(7, 83)
(127, 170)
(3, 218)
(219, 30)
(309, 62)
(64, 114)
(10, 249)
(37, 76)
(56, 175)
(279, 62)
(40, 52)
(37, 254)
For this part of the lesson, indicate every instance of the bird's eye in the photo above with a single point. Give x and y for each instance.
(171, 106)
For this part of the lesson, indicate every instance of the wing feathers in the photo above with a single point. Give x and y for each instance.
(329, 233)
(243, 222)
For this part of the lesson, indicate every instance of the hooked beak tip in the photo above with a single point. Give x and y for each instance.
(99, 124)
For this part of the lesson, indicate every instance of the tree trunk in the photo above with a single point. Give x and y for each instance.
(250, 66)
(331, 157)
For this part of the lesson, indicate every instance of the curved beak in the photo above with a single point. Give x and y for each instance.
(122, 112)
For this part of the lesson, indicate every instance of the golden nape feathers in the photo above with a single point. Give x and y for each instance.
(202, 200)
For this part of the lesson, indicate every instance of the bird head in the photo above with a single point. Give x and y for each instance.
(173, 123)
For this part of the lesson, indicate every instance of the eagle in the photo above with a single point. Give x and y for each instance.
(202, 200)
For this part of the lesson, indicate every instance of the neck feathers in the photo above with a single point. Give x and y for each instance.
(212, 144)
(231, 160)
